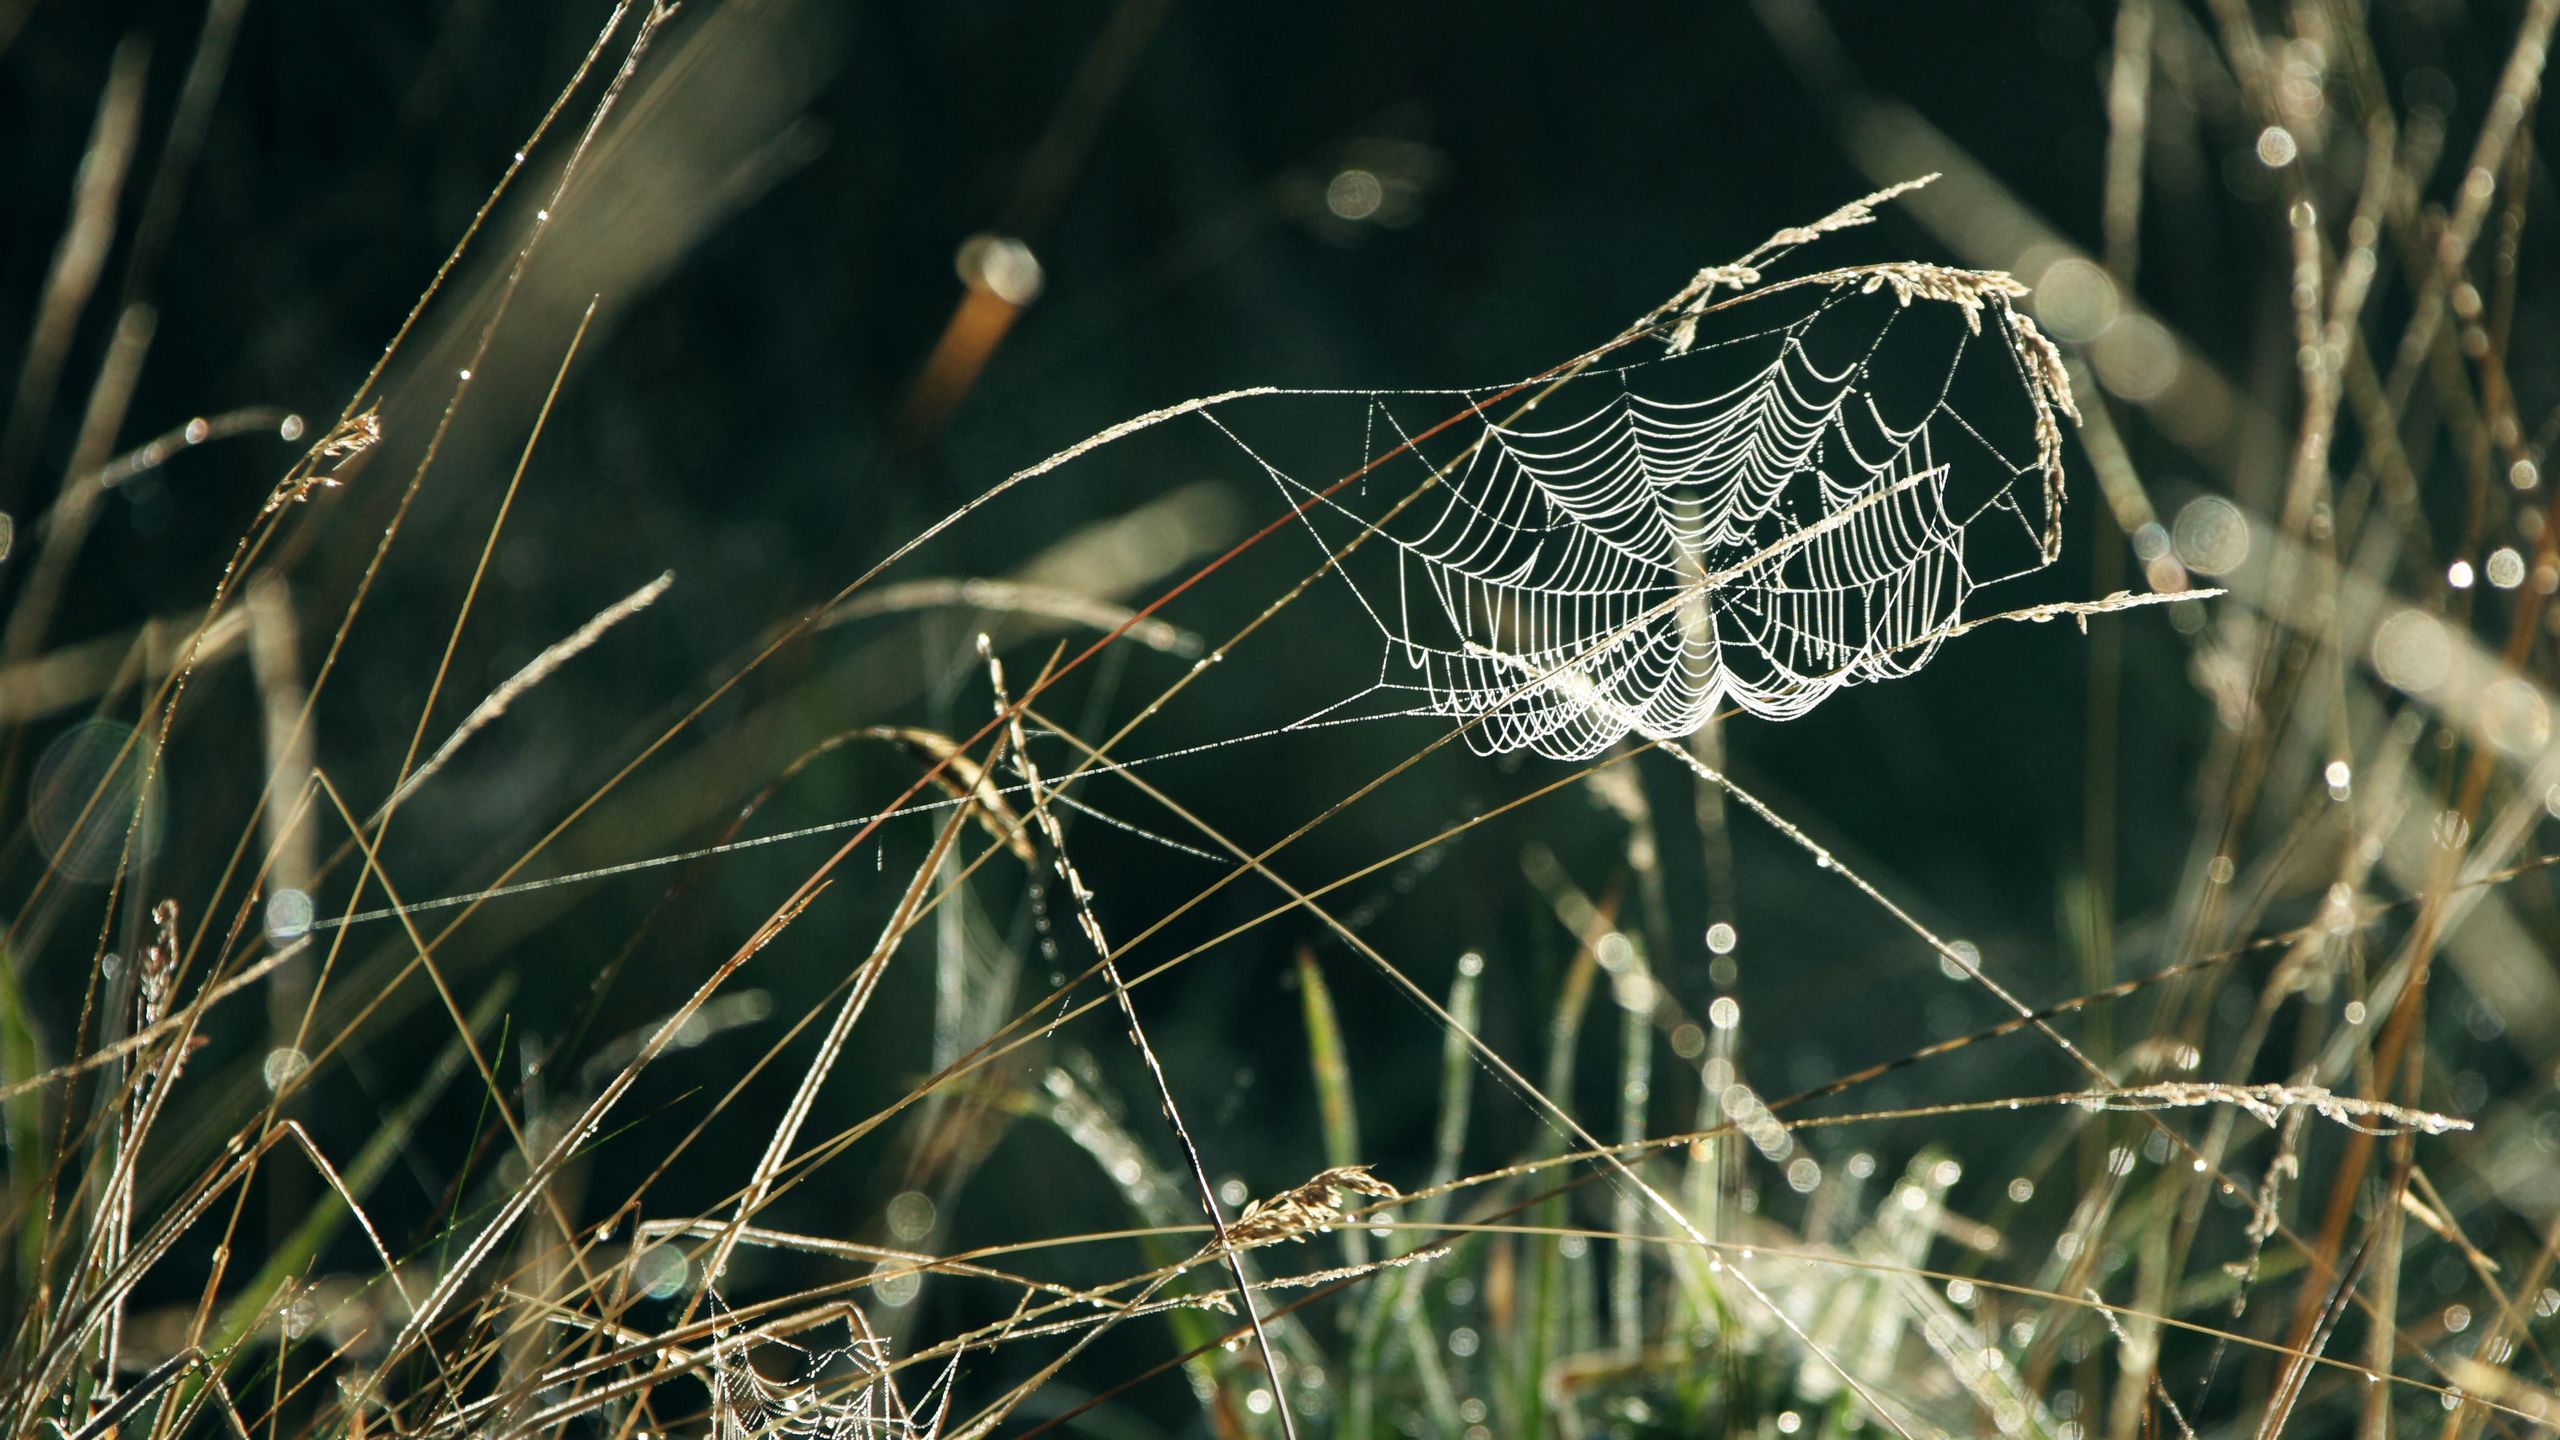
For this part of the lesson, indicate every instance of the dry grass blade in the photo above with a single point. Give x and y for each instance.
(786, 1129)
(966, 781)
(533, 673)
(1091, 928)
(1015, 597)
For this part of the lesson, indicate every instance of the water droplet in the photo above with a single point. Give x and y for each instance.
(284, 1066)
(911, 1215)
(2211, 536)
(288, 916)
(1000, 266)
(2412, 651)
(896, 1282)
(1354, 195)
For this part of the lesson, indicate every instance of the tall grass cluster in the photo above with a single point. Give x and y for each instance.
(490, 950)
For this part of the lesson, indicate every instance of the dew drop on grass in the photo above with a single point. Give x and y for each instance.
(2412, 650)
(912, 1215)
(660, 1271)
(288, 916)
(2211, 536)
(283, 1066)
(897, 1284)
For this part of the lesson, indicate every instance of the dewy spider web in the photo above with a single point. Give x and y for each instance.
(1757, 522)
(1623, 546)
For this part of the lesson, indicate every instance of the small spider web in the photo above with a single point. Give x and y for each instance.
(862, 1403)
(1757, 522)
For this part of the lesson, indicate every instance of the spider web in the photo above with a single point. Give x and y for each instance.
(1757, 522)
(1803, 500)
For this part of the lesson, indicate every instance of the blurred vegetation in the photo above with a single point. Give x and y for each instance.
(326, 1114)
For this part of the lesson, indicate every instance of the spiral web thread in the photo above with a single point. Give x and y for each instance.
(1755, 521)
